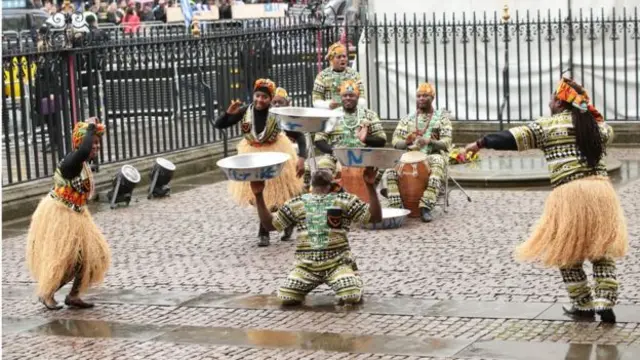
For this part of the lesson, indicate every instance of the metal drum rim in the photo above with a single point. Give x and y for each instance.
(322, 113)
(224, 163)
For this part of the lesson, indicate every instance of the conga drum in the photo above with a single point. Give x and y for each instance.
(353, 183)
(413, 173)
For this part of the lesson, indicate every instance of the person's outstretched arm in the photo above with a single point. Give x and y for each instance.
(232, 116)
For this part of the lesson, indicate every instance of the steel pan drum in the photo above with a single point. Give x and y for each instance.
(309, 120)
(253, 166)
(391, 219)
(382, 158)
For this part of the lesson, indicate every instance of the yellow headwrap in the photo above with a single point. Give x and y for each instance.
(80, 130)
(281, 92)
(349, 86)
(565, 92)
(266, 85)
(426, 88)
(336, 49)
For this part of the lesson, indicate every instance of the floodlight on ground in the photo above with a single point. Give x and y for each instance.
(123, 184)
(160, 176)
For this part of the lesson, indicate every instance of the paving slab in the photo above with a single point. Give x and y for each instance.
(624, 313)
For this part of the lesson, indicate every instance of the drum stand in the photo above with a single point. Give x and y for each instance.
(311, 153)
(447, 191)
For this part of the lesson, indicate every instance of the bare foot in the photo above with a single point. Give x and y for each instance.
(50, 303)
(77, 303)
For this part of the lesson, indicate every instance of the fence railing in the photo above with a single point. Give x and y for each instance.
(151, 92)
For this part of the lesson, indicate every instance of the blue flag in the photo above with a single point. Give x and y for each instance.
(187, 12)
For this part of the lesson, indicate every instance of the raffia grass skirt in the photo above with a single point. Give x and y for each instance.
(582, 220)
(276, 191)
(61, 240)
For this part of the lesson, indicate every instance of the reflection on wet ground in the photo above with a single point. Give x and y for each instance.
(326, 341)
(531, 351)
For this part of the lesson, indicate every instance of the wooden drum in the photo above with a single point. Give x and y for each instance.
(413, 173)
(352, 182)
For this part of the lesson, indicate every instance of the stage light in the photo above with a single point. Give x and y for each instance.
(123, 184)
(160, 176)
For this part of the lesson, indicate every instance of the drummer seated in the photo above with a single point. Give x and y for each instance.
(360, 127)
(429, 131)
(323, 254)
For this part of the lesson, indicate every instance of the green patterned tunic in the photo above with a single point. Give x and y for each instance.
(555, 136)
(344, 133)
(319, 243)
(439, 123)
(327, 84)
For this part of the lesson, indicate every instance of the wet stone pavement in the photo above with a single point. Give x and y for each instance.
(188, 282)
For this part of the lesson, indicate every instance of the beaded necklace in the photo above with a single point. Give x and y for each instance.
(349, 124)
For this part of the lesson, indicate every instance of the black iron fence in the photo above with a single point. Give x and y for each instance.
(156, 95)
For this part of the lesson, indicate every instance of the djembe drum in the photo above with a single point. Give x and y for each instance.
(353, 183)
(413, 173)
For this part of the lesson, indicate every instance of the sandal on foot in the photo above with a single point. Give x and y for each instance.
(77, 303)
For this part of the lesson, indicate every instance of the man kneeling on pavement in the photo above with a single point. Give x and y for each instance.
(323, 218)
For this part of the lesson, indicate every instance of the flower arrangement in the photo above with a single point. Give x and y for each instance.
(457, 156)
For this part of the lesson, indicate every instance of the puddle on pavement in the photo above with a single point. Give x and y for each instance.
(513, 350)
(98, 329)
(124, 296)
(316, 341)
(377, 344)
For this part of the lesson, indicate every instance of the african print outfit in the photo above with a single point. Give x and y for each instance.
(344, 135)
(327, 85)
(323, 254)
(437, 158)
(272, 139)
(63, 241)
(582, 219)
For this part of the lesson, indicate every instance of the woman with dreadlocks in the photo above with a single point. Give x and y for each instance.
(582, 218)
(63, 241)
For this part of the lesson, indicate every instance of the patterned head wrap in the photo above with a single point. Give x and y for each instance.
(265, 85)
(281, 92)
(336, 49)
(80, 130)
(565, 91)
(426, 88)
(349, 86)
